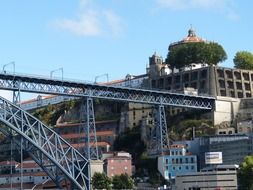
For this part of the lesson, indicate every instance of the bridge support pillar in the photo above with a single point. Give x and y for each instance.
(88, 121)
(159, 136)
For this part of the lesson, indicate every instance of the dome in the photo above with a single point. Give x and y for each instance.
(190, 38)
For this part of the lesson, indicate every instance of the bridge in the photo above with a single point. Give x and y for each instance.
(47, 148)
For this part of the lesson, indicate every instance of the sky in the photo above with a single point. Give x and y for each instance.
(95, 38)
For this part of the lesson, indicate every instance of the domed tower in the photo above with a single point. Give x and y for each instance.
(190, 38)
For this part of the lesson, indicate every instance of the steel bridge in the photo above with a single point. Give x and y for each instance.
(47, 148)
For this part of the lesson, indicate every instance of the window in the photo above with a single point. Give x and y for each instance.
(192, 160)
(187, 167)
(179, 168)
(174, 168)
(192, 167)
(186, 160)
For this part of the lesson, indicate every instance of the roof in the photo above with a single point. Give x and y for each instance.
(8, 163)
(76, 135)
(190, 38)
(77, 124)
(28, 165)
(177, 146)
(118, 158)
(80, 145)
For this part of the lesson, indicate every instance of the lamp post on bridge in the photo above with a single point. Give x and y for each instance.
(11, 63)
(59, 69)
(107, 77)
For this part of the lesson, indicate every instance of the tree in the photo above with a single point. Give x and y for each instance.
(130, 141)
(122, 181)
(201, 52)
(243, 60)
(101, 181)
(245, 173)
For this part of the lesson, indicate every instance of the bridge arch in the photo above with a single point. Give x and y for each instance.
(51, 152)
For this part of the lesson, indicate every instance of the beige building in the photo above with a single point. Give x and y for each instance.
(134, 114)
(213, 178)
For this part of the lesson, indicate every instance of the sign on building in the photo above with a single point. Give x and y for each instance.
(213, 157)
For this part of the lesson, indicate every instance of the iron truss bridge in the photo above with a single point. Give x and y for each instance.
(55, 155)
(35, 84)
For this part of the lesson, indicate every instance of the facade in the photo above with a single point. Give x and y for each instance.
(74, 134)
(33, 176)
(134, 114)
(118, 163)
(233, 147)
(209, 80)
(178, 162)
(212, 178)
(225, 131)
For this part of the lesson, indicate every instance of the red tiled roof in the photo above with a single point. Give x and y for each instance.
(101, 144)
(177, 146)
(77, 124)
(76, 135)
(28, 165)
(7, 163)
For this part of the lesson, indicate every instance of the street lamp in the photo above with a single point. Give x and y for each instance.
(60, 69)
(11, 63)
(106, 74)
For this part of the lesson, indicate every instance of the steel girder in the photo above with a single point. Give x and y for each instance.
(46, 147)
(159, 141)
(88, 120)
(69, 88)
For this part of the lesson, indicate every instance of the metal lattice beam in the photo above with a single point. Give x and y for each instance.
(88, 120)
(45, 146)
(69, 88)
(159, 141)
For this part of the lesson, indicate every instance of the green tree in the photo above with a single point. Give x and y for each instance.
(101, 181)
(122, 181)
(245, 173)
(201, 52)
(243, 60)
(130, 141)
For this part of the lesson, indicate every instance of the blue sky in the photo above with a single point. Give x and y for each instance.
(88, 38)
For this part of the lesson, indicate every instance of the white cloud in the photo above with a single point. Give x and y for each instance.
(86, 25)
(114, 22)
(91, 21)
(223, 6)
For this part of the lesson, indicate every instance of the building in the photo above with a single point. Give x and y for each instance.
(209, 80)
(74, 134)
(216, 177)
(233, 147)
(29, 173)
(118, 163)
(178, 162)
(133, 114)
